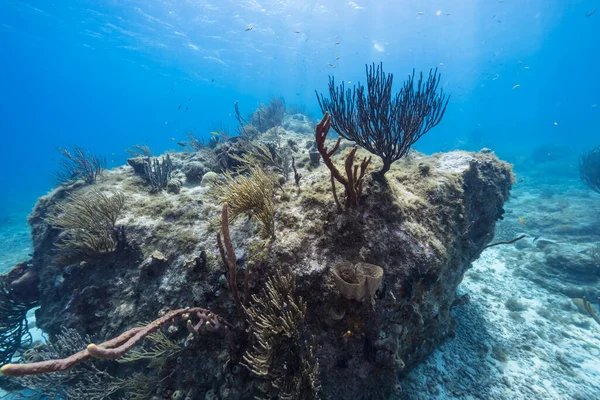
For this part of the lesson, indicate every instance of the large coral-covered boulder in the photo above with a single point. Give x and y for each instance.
(423, 228)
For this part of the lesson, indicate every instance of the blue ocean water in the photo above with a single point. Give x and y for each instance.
(108, 74)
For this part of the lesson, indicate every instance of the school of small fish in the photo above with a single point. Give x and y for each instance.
(437, 13)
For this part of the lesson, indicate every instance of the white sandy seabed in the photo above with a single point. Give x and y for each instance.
(516, 338)
(546, 350)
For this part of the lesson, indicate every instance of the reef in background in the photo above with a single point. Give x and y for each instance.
(423, 228)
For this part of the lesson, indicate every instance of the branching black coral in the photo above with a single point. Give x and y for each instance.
(139, 150)
(86, 382)
(13, 322)
(76, 164)
(385, 125)
(282, 352)
(89, 380)
(117, 347)
(158, 172)
(88, 220)
(245, 130)
(268, 116)
(589, 169)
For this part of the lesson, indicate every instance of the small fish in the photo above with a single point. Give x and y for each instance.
(522, 179)
(594, 105)
(296, 31)
(549, 154)
(521, 220)
(331, 65)
(248, 28)
(421, 13)
(187, 108)
(516, 86)
(556, 124)
(349, 82)
(591, 13)
(190, 99)
(337, 43)
(73, 298)
(337, 58)
(182, 144)
(179, 108)
(172, 138)
(215, 133)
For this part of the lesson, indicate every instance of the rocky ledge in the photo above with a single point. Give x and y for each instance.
(419, 232)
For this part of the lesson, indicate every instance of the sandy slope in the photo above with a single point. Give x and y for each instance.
(15, 242)
(518, 339)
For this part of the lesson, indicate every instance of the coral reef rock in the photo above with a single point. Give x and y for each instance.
(298, 123)
(424, 228)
